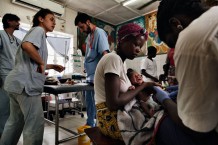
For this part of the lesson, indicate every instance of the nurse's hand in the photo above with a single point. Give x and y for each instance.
(160, 94)
(41, 69)
(58, 68)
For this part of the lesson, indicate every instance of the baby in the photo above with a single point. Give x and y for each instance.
(148, 105)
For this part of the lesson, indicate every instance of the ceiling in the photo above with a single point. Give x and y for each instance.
(111, 11)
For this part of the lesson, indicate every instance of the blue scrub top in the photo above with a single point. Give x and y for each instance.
(8, 49)
(24, 76)
(94, 54)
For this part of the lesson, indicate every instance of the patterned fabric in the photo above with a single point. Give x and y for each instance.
(107, 121)
(136, 127)
(131, 29)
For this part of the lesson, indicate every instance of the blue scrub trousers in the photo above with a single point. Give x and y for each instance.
(26, 114)
(4, 106)
(90, 108)
(4, 109)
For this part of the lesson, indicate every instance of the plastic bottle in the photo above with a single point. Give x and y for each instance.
(84, 139)
(77, 61)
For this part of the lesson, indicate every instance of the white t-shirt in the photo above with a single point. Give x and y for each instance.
(150, 67)
(196, 60)
(110, 63)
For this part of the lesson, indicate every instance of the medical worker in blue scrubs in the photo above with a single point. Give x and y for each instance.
(25, 84)
(8, 48)
(96, 46)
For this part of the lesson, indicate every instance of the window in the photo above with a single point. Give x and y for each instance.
(53, 56)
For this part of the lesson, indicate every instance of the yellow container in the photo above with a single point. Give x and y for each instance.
(84, 139)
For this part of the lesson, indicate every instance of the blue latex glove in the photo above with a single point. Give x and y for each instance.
(172, 88)
(173, 95)
(161, 95)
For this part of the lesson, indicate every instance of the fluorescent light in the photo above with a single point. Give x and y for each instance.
(127, 2)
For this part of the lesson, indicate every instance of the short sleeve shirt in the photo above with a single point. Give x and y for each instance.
(94, 51)
(110, 63)
(24, 76)
(150, 66)
(196, 60)
(8, 49)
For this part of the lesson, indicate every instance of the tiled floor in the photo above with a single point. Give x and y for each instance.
(71, 122)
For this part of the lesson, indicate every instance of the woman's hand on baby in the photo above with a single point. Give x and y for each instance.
(149, 84)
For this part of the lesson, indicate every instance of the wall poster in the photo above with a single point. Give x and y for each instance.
(153, 39)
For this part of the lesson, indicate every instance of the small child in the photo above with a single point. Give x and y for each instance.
(148, 105)
(146, 101)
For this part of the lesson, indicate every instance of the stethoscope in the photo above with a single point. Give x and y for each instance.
(12, 39)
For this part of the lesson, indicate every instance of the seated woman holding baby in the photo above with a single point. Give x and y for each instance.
(114, 100)
(120, 111)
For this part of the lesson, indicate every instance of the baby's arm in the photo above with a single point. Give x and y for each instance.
(144, 98)
(147, 108)
(131, 88)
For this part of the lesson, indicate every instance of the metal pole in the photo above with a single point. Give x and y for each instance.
(56, 120)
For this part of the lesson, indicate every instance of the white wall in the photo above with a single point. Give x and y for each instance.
(135, 64)
(6, 6)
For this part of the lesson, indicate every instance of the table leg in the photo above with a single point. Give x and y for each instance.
(56, 120)
(48, 109)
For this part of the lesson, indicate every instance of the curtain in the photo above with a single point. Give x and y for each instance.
(60, 45)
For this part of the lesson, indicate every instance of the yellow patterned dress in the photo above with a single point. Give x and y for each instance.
(107, 121)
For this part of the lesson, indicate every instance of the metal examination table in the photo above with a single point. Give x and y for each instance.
(55, 90)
